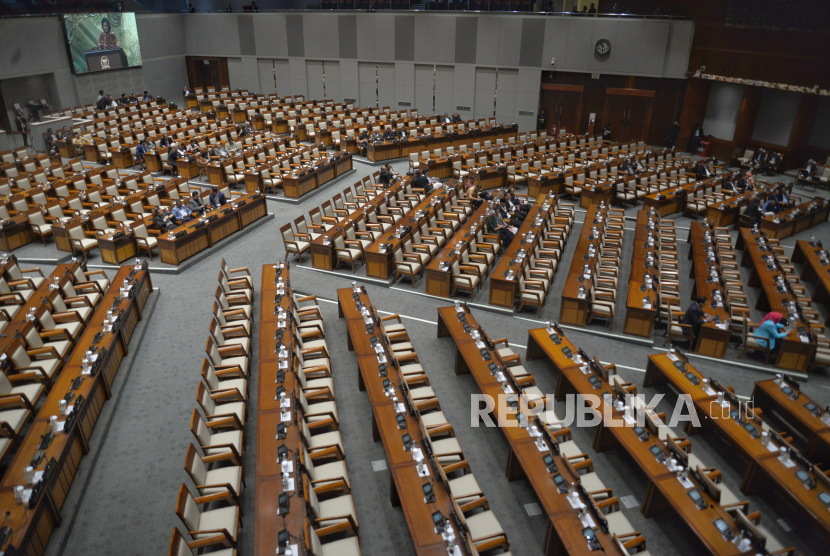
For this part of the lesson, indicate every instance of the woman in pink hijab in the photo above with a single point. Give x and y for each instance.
(773, 327)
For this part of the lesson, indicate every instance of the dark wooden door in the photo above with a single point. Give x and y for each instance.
(629, 113)
(563, 106)
(207, 72)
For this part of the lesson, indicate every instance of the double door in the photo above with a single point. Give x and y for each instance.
(563, 107)
(628, 111)
(207, 72)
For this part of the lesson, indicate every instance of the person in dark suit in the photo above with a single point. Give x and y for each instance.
(671, 134)
(20, 123)
(216, 198)
(165, 141)
(388, 134)
(627, 167)
(606, 133)
(771, 205)
(695, 317)
(456, 118)
(103, 103)
(746, 183)
(163, 219)
(782, 197)
(403, 134)
(703, 171)
(758, 158)
(420, 181)
(753, 210)
(363, 142)
(541, 122)
(695, 138)
(808, 171)
(771, 167)
(445, 119)
(196, 204)
(386, 175)
(729, 186)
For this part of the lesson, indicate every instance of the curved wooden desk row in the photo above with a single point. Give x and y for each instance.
(726, 212)
(322, 246)
(33, 522)
(673, 200)
(814, 270)
(796, 219)
(650, 448)
(576, 294)
(268, 523)
(504, 278)
(806, 486)
(799, 348)
(642, 304)
(406, 482)
(204, 233)
(714, 336)
(564, 535)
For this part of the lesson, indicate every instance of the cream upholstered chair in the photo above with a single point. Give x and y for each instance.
(79, 240)
(221, 409)
(322, 446)
(407, 264)
(218, 525)
(77, 313)
(484, 528)
(242, 274)
(337, 512)
(224, 357)
(210, 479)
(347, 250)
(144, 241)
(225, 380)
(234, 287)
(85, 280)
(89, 291)
(292, 244)
(56, 341)
(40, 227)
(348, 546)
(180, 547)
(328, 476)
(19, 290)
(217, 446)
(43, 367)
(226, 337)
(465, 278)
(232, 304)
(30, 389)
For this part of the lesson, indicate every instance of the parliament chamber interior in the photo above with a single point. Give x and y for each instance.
(445, 278)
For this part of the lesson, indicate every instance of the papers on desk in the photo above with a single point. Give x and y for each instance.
(285, 416)
(672, 356)
(724, 404)
(789, 464)
(480, 344)
(804, 339)
(576, 503)
(587, 520)
(37, 477)
(507, 389)
(456, 551)
(687, 484)
(709, 391)
(578, 359)
(401, 408)
(59, 425)
(423, 470)
(629, 419)
(585, 370)
(290, 485)
(289, 465)
(723, 325)
(772, 447)
(283, 364)
(580, 296)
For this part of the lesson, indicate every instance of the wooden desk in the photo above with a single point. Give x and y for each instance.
(381, 264)
(188, 169)
(175, 250)
(34, 527)
(439, 282)
(713, 339)
(268, 472)
(770, 397)
(15, 232)
(116, 250)
(122, 158)
(639, 318)
(405, 482)
(295, 187)
(564, 530)
(383, 151)
(794, 354)
(726, 212)
(601, 191)
(439, 168)
(576, 306)
(813, 271)
(552, 182)
(342, 164)
(492, 177)
(796, 219)
(322, 248)
(412, 145)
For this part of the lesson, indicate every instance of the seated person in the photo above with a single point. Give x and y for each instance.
(773, 327)
(515, 204)
(181, 214)
(403, 134)
(193, 147)
(753, 210)
(771, 205)
(363, 142)
(496, 225)
(150, 144)
(782, 197)
(627, 167)
(695, 317)
(141, 150)
(730, 187)
(77, 140)
(388, 135)
(771, 167)
(221, 150)
(474, 197)
(196, 204)
(163, 219)
(515, 217)
(746, 183)
(703, 171)
(758, 158)
(165, 141)
(232, 146)
(808, 171)
(386, 175)
(216, 198)
(456, 118)
(637, 165)
(176, 153)
(377, 136)
(420, 181)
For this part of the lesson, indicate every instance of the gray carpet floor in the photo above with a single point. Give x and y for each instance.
(129, 506)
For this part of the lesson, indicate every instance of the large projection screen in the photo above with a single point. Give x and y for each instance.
(102, 42)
